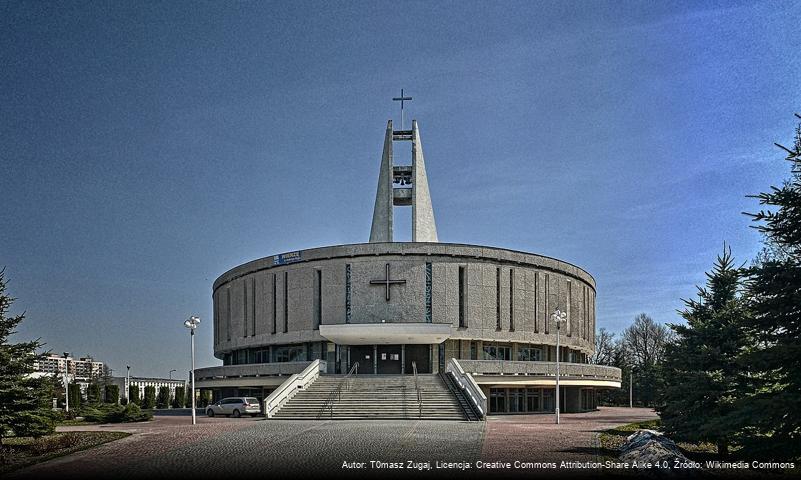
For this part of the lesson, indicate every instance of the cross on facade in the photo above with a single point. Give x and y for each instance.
(387, 282)
(401, 99)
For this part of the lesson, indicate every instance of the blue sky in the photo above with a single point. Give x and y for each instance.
(148, 147)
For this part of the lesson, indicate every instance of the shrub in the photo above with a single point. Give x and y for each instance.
(134, 394)
(163, 400)
(113, 413)
(130, 413)
(112, 394)
(150, 397)
(180, 397)
(123, 401)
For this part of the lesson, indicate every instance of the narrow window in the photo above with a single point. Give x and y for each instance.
(318, 302)
(245, 307)
(428, 292)
(497, 298)
(275, 308)
(286, 302)
(536, 298)
(228, 314)
(547, 313)
(462, 319)
(347, 293)
(569, 323)
(511, 299)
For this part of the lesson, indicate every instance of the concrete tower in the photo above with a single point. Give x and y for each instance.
(403, 186)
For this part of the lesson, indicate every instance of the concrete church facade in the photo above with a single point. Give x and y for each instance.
(484, 311)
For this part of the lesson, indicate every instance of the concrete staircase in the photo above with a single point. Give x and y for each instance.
(375, 397)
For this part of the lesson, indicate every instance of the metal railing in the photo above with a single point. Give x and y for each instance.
(467, 383)
(336, 393)
(417, 388)
(288, 389)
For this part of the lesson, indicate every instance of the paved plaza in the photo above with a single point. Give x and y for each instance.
(251, 446)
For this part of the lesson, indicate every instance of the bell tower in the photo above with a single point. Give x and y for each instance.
(403, 186)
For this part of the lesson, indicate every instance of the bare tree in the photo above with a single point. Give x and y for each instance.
(645, 341)
(604, 348)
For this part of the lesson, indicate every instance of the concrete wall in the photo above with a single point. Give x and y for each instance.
(244, 309)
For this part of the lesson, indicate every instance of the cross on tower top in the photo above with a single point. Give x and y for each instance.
(401, 99)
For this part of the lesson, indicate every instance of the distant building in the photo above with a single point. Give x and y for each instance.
(143, 382)
(82, 369)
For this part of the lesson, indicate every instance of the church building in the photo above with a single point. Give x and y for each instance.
(406, 329)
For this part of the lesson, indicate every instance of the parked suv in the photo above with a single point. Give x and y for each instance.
(236, 406)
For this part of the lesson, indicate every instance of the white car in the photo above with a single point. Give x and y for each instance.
(234, 406)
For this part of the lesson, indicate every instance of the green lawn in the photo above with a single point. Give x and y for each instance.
(19, 452)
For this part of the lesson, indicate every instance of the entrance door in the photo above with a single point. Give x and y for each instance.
(364, 355)
(389, 359)
(421, 355)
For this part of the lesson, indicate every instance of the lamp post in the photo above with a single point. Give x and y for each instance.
(128, 383)
(173, 370)
(192, 323)
(631, 387)
(558, 317)
(66, 382)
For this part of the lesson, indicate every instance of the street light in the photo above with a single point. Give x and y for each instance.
(558, 317)
(192, 323)
(128, 383)
(66, 382)
(173, 370)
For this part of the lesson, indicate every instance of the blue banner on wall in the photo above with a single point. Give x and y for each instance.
(285, 258)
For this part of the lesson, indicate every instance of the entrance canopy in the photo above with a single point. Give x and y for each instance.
(386, 333)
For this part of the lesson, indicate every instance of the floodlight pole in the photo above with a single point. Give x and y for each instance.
(192, 335)
(558, 317)
(192, 324)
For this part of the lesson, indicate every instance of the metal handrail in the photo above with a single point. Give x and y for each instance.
(417, 388)
(337, 392)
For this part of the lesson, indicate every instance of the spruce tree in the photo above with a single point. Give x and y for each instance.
(771, 413)
(24, 400)
(701, 368)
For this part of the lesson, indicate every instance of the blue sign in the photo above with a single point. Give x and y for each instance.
(285, 258)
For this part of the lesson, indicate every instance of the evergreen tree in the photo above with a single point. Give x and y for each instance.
(112, 394)
(180, 397)
(24, 400)
(701, 368)
(771, 413)
(93, 394)
(134, 395)
(150, 397)
(163, 399)
(75, 396)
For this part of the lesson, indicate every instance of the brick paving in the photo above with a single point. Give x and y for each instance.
(217, 447)
(538, 438)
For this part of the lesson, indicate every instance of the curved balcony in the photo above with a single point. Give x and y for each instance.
(488, 371)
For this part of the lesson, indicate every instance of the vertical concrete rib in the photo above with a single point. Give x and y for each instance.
(424, 229)
(381, 231)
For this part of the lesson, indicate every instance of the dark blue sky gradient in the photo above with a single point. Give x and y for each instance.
(147, 147)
